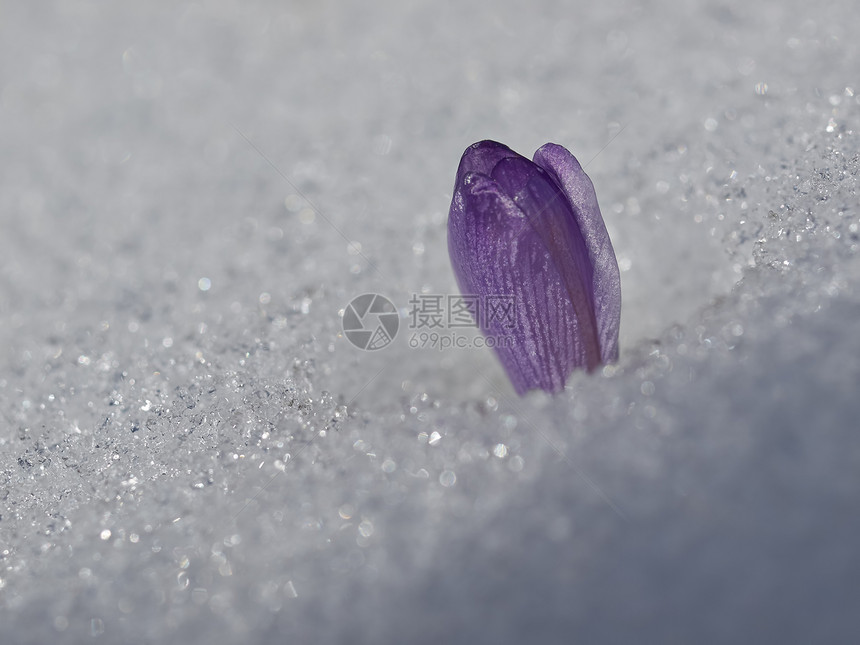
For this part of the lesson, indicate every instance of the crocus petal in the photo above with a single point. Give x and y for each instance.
(606, 280)
(548, 212)
(495, 252)
(513, 232)
(482, 157)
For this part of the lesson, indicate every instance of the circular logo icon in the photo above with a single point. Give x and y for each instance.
(370, 321)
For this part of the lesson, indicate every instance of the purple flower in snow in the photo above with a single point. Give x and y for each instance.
(532, 231)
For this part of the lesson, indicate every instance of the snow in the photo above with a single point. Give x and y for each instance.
(192, 450)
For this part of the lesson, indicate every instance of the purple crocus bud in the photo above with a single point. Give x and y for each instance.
(530, 234)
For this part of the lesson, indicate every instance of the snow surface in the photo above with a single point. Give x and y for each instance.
(192, 452)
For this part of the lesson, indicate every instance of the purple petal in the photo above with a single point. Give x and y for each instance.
(495, 250)
(606, 280)
(482, 157)
(514, 230)
(548, 211)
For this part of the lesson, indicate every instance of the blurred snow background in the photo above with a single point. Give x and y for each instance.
(191, 451)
